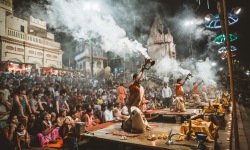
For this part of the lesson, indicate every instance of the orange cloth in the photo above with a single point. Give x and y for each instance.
(58, 144)
(101, 126)
(197, 126)
(121, 95)
(195, 90)
(179, 91)
(134, 96)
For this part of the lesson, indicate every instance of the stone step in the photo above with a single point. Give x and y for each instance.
(242, 128)
(246, 124)
(243, 113)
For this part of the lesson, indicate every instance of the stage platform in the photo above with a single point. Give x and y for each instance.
(151, 114)
(141, 140)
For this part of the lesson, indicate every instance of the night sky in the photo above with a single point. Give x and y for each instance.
(167, 9)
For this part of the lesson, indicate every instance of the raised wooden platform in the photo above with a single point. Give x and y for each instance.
(151, 114)
(142, 141)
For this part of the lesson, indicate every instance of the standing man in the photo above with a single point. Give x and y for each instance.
(137, 122)
(121, 94)
(136, 97)
(180, 94)
(166, 95)
(196, 92)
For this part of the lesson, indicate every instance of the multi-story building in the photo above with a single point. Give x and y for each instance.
(26, 42)
(90, 58)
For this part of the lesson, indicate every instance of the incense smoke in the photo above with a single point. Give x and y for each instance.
(99, 20)
(86, 20)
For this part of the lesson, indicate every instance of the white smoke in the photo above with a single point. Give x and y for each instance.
(201, 70)
(168, 66)
(86, 20)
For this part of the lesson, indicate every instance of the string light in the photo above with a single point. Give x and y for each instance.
(223, 49)
(220, 39)
(215, 22)
(223, 56)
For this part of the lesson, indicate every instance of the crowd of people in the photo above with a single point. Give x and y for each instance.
(45, 108)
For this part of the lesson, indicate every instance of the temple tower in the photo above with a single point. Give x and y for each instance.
(160, 43)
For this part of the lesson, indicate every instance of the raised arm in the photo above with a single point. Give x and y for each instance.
(183, 81)
(200, 83)
(138, 77)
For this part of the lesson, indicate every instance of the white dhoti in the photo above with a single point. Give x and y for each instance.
(180, 105)
(137, 122)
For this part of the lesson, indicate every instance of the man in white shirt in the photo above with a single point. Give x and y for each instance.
(108, 113)
(167, 95)
(124, 110)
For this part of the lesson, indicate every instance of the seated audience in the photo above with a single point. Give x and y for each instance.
(108, 113)
(22, 137)
(48, 132)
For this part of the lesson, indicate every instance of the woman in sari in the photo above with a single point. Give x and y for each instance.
(49, 132)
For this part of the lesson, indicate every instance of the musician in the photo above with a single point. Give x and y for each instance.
(180, 94)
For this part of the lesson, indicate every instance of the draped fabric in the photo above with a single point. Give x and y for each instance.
(179, 90)
(208, 127)
(134, 97)
(180, 105)
(195, 90)
(121, 95)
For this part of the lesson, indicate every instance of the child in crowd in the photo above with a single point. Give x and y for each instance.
(23, 138)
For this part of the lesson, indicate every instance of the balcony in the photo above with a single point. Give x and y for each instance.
(32, 39)
(15, 34)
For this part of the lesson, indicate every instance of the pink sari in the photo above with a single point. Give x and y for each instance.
(45, 139)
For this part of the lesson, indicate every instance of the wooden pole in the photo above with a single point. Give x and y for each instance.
(230, 68)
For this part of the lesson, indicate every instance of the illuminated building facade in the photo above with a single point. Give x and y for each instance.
(26, 43)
